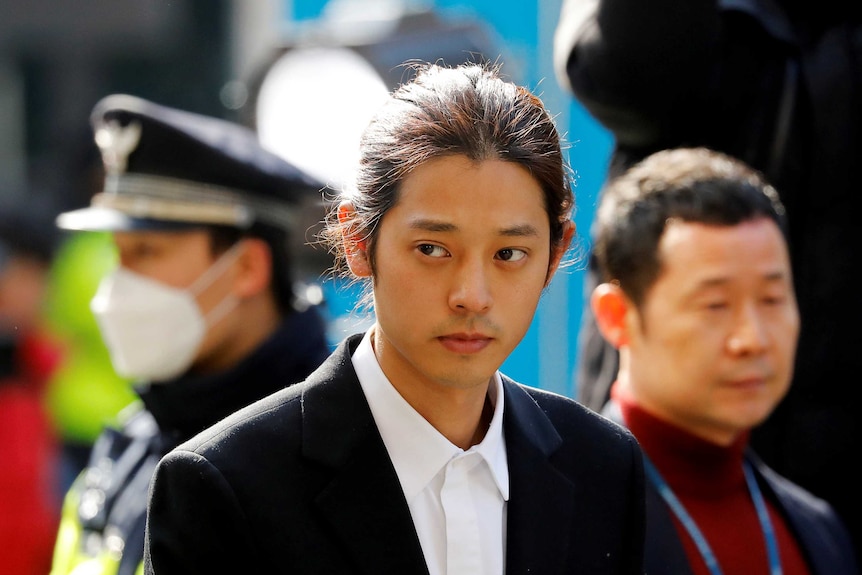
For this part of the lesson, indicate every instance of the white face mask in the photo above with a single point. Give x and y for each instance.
(153, 331)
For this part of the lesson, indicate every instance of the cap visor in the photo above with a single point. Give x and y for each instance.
(99, 219)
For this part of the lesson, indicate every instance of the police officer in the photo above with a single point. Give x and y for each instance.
(202, 311)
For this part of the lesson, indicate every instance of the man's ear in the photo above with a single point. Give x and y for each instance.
(355, 247)
(254, 268)
(560, 250)
(610, 307)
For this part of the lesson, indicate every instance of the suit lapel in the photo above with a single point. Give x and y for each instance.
(542, 500)
(364, 502)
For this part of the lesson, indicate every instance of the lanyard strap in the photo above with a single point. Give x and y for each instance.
(691, 527)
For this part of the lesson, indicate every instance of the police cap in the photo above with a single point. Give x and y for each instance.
(167, 168)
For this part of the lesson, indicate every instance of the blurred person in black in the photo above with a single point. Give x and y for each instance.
(775, 83)
(202, 312)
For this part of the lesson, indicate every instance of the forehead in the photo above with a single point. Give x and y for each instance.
(161, 237)
(486, 194)
(696, 253)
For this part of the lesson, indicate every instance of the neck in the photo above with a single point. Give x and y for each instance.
(460, 411)
(484, 423)
(711, 430)
(461, 416)
(246, 327)
(682, 456)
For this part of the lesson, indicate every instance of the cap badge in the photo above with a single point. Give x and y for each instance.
(116, 142)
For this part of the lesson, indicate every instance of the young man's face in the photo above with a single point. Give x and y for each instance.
(461, 261)
(713, 351)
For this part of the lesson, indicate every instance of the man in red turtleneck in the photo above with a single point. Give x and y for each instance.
(697, 295)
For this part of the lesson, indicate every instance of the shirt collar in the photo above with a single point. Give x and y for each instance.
(417, 450)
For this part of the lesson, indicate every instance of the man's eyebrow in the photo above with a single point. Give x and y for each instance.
(430, 225)
(522, 230)
(770, 276)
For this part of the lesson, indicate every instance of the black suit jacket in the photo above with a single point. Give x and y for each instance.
(301, 482)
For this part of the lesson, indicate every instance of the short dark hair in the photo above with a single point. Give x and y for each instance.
(466, 110)
(689, 184)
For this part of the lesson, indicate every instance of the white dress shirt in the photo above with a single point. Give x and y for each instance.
(457, 498)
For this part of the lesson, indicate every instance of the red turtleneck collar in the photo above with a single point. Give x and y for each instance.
(709, 481)
(688, 463)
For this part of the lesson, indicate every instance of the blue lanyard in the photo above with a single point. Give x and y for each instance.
(699, 540)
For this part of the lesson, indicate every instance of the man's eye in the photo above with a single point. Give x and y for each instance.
(511, 255)
(775, 298)
(432, 251)
(142, 251)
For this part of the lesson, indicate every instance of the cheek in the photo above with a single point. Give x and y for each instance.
(520, 319)
(785, 337)
(686, 340)
(401, 294)
(517, 303)
(789, 327)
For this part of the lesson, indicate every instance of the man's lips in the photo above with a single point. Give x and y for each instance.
(747, 382)
(465, 343)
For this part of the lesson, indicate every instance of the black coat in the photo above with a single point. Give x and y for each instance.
(782, 91)
(301, 482)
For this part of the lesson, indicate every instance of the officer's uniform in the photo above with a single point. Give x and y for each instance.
(169, 169)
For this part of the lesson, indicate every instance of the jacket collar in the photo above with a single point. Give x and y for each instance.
(386, 541)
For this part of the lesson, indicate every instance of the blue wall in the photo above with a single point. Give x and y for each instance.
(525, 30)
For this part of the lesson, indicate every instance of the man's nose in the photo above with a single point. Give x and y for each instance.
(471, 289)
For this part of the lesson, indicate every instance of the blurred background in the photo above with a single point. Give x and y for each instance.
(305, 74)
